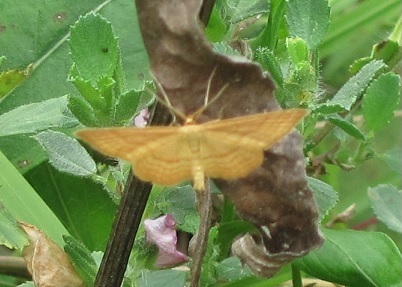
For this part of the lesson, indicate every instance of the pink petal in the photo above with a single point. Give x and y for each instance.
(141, 120)
(162, 232)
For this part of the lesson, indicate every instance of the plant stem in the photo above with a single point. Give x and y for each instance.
(14, 266)
(204, 203)
(296, 276)
(126, 223)
(125, 227)
(268, 37)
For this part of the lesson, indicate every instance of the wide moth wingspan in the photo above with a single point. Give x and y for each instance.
(227, 149)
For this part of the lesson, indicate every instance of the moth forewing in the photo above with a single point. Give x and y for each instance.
(227, 149)
(260, 130)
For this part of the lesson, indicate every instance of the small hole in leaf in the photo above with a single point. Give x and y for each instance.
(105, 50)
(23, 163)
(60, 17)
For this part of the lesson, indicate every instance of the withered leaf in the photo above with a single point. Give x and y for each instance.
(48, 264)
(275, 197)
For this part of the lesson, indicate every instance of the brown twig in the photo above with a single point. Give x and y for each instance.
(204, 204)
(14, 266)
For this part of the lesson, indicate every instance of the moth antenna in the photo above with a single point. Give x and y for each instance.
(207, 103)
(175, 112)
(209, 86)
(161, 101)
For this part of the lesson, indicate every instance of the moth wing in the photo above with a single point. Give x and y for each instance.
(261, 130)
(157, 154)
(169, 164)
(233, 148)
(226, 157)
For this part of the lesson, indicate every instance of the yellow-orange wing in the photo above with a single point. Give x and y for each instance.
(233, 148)
(157, 154)
(226, 149)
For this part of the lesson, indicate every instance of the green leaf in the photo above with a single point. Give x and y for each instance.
(238, 10)
(347, 127)
(11, 235)
(90, 93)
(298, 50)
(83, 111)
(354, 87)
(10, 79)
(381, 100)
(37, 116)
(267, 59)
(324, 194)
(388, 51)
(42, 41)
(127, 106)
(96, 106)
(162, 278)
(349, 21)
(182, 207)
(232, 269)
(386, 201)
(304, 76)
(106, 85)
(23, 151)
(393, 158)
(355, 259)
(66, 154)
(308, 19)
(254, 281)
(81, 259)
(216, 28)
(94, 48)
(269, 36)
(73, 199)
(225, 49)
(24, 204)
(228, 231)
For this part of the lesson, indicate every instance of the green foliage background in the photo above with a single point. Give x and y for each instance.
(35, 42)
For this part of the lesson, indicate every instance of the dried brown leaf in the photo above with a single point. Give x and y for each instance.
(48, 264)
(275, 197)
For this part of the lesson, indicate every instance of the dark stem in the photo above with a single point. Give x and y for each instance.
(126, 223)
(204, 203)
(125, 227)
(131, 208)
(206, 10)
(14, 266)
(296, 277)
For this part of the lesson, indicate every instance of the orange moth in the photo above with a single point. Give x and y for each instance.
(167, 155)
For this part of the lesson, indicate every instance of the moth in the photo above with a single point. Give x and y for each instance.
(167, 155)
